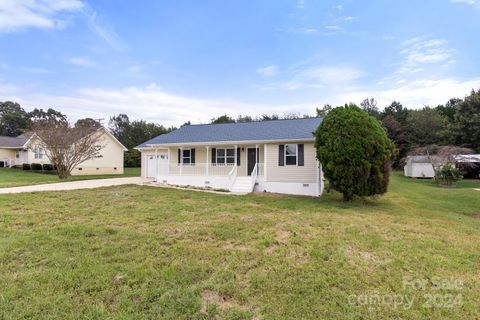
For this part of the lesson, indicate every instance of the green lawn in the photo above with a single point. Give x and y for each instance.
(18, 177)
(138, 252)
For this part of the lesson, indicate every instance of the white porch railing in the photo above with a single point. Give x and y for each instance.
(260, 169)
(8, 163)
(254, 176)
(232, 175)
(197, 169)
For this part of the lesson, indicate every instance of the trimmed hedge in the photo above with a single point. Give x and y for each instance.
(36, 167)
(47, 167)
(26, 166)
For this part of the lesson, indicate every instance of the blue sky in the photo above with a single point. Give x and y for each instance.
(174, 61)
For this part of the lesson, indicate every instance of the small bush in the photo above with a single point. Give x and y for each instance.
(26, 166)
(36, 167)
(448, 175)
(2, 164)
(47, 167)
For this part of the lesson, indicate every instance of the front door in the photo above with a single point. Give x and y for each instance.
(252, 154)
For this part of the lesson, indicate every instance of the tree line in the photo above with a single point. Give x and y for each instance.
(457, 122)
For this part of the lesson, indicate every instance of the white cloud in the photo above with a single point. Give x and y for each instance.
(151, 103)
(104, 30)
(135, 68)
(81, 61)
(305, 76)
(16, 14)
(268, 71)
(469, 2)
(420, 53)
(414, 94)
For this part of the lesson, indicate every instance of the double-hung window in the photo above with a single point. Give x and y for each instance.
(38, 153)
(225, 156)
(187, 156)
(291, 151)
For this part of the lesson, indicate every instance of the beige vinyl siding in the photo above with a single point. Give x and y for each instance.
(111, 158)
(7, 154)
(291, 173)
(30, 156)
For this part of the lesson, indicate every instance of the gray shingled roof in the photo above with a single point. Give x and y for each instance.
(14, 142)
(283, 130)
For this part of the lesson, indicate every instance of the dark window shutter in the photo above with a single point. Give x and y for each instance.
(214, 153)
(192, 155)
(300, 156)
(238, 156)
(179, 155)
(258, 155)
(281, 154)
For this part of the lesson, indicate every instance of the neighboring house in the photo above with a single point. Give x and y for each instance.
(273, 156)
(15, 151)
(421, 166)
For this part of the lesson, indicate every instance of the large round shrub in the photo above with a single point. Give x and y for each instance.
(354, 151)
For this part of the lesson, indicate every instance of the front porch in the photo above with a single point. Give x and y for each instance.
(234, 168)
(11, 162)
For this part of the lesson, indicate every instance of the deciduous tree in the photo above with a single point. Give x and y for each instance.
(467, 121)
(67, 146)
(13, 119)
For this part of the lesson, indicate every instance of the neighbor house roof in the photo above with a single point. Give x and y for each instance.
(272, 130)
(14, 142)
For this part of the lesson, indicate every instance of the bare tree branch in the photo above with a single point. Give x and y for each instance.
(68, 146)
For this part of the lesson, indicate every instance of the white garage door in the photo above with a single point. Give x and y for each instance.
(152, 163)
(151, 171)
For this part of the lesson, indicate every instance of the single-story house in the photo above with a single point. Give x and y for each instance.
(421, 166)
(265, 156)
(25, 149)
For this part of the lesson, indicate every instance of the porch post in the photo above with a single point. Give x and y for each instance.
(156, 164)
(181, 160)
(168, 155)
(257, 158)
(208, 163)
(235, 155)
(265, 162)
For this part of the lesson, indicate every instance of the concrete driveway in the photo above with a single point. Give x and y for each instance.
(75, 185)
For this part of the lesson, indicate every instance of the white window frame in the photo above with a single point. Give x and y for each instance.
(189, 157)
(225, 157)
(285, 154)
(38, 153)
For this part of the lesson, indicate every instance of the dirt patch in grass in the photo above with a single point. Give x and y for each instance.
(282, 237)
(365, 256)
(222, 301)
(232, 246)
(476, 216)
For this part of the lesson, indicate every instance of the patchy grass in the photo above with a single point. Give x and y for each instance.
(134, 252)
(18, 177)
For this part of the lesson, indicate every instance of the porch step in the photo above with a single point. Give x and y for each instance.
(242, 185)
